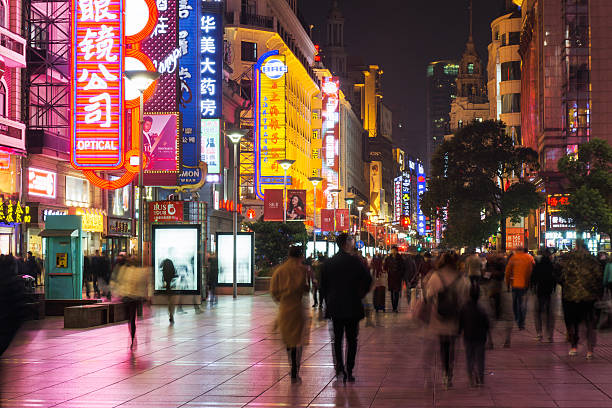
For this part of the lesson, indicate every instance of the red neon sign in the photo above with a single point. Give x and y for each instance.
(97, 87)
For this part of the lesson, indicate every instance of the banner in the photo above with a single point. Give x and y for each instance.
(343, 220)
(515, 238)
(296, 205)
(160, 211)
(327, 220)
(273, 205)
(375, 186)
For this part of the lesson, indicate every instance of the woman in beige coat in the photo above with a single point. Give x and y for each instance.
(446, 277)
(288, 286)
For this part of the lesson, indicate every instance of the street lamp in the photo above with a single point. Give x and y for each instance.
(141, 79)
(359, 208)
(335, 192)
(235, 135)
(315, 182)
(285, 164)
(349, 201)
(369, 214)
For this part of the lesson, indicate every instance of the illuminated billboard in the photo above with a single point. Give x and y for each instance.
(160, 132)
(97, 60)
(244, 258)
(406, 195)
(270, 120)
(179, 245)
(330, 112)
(397, 198)
(421, 186)
(211, 144)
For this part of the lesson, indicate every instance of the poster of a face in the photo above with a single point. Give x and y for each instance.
(178, 248)
(296, 205)
(160, 132)
(244, 258)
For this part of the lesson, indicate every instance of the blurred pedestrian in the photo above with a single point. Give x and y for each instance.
(212, 276)
(494, 274)
(607, 280)
(169, 275)
(474, 323)
(288, 286)
(344, 283)
(446, 291)
(518, 275)
(380, 284)
(543, 282)
(133, 286)
(32, 267)
(87, 275)
(410, 275)
(474, 266)
(317, 265)
(394, 267)
(12, 301)
(582, 283)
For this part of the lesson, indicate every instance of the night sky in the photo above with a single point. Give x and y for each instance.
(402, 37)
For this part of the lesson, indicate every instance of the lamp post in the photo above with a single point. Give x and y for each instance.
(349, 201)
(141, 79)
(315, 182)
(235, 135)
(369, 214)
(359, 208)
(285, 164)
(335, 192)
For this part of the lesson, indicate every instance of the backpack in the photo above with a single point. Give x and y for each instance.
(448, 300)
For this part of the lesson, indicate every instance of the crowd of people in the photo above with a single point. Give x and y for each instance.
(449, 295)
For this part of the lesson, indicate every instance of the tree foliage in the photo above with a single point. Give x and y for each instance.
(273, 239)
(590, 186)
(476, 183)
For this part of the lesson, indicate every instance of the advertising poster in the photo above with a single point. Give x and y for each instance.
(327, 220)
(160, 211)
(421, 186)
(160, 141)
(177, 244)
(244, 258)
(330, 87)
(375, 186)
(343, 219)
(273, 205)
(397, 198)
(296, 205)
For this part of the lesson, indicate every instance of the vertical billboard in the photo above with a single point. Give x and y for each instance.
(244, 258)
(397, 198)
(330, 112)
(296, 205)
(375, 186)
(421, 185)
(270, 120)
(160, 133)
(96, 99)
(406, 195)
(177, 244)
(211, 144)
(327, 220)
(273, 205)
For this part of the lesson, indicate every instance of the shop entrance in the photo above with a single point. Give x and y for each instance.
(6, 241)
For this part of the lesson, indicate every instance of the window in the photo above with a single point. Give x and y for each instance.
(514, 38)
(503, 39)
(3, 101)
(511, 71)
(3, 14)
(248, 51)
(511, 103)
(77, 191)
(470, 68)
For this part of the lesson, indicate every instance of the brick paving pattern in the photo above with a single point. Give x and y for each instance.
(230, 356)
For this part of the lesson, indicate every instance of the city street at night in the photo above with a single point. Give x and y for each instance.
(230, 356)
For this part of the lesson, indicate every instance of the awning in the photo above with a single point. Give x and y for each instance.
(59, 233)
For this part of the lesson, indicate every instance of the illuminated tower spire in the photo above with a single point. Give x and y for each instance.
(470, 39)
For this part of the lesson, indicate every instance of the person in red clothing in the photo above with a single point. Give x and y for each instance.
(518, 274)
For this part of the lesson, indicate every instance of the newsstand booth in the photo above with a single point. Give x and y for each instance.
(64, 260)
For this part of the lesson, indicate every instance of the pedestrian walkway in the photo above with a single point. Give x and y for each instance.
(230, 356)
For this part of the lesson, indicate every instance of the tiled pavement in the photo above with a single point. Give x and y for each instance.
(230, 356)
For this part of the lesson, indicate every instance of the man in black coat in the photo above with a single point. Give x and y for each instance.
(344, 283)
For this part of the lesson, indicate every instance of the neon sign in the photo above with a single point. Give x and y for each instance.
(406, 190)
(211, 62)
(330, 88)
(97, 87)
(421, 186)
(397, 198)
(270, 120)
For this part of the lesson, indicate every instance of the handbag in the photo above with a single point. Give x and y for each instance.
(422, 311)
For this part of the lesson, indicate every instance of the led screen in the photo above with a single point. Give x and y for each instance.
(179, 245)
(244, 259)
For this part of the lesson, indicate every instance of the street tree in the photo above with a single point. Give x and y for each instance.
(589, 182)
(272, 241)
(477, 182)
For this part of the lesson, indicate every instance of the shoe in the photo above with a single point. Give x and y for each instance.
(296, 379)
(350, 378)
(315, 305)
(573, 351)
(171, 319)
(550, 340)
(447, 382)
(589, 355)
(507, 344)
(538, 337)
(521, 328)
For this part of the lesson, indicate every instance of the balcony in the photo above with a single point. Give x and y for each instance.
(12, 49)
(253, 20)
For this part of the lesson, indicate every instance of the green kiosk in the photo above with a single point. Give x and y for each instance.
(64, 257)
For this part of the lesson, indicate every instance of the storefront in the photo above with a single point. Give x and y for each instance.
(13, 215)
(119, 226)
(40, 212)
(93, 223)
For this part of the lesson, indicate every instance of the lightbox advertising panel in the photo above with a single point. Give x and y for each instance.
(177, 244)
(244, 258)
(270, 120)
(421, 185)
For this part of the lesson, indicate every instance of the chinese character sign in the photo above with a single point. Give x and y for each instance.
(406, 195)
(96, 86)
(397, 198)
(330, 91)
(211, 60)
(421, 184)
(188, 26)
(14, 212)
(270, 119)
(211, 144)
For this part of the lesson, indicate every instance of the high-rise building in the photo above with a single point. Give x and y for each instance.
(441, 91)
(504, 71)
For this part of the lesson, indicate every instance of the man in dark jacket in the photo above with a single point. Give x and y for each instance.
(344, 283)
(543, 282)
(169, 273)
(394, 266)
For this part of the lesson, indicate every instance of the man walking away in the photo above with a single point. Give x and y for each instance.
(582, 283)
(344, 283)
(394, 266)
(518, 274)
(543, 282)
(474, 323)
(474, 266)
(169, 273)
(410, 275)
